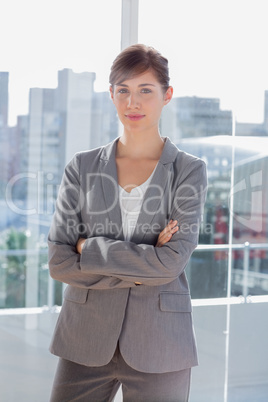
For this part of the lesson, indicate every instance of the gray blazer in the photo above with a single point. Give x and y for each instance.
(102, 305)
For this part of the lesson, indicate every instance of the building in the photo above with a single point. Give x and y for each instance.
(4, 76)
(61, 122)
(74, 103)
(104, 121)
(43, 148)
(255, 129)
(191, 117)
(4, 141)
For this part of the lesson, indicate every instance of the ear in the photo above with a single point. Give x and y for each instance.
(111, 93)
(168, 95)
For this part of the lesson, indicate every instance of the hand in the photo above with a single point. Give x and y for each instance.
(80, 244)
(166, 234)
(164, 237)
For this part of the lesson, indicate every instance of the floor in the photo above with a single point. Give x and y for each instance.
(27, 368)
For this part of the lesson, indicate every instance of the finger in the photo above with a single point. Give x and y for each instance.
(166, 235)
(173, 223)
(167, 232)
(165, 239)
(170, 228)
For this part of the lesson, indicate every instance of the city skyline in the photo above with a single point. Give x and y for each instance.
(240, 123)
(220, 53)
(23, 108)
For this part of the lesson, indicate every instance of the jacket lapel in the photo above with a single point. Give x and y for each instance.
(155, 192)
(109, 182)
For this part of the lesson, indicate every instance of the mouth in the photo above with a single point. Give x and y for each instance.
(135, 117)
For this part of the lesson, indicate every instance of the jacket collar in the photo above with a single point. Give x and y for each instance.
(152, 197)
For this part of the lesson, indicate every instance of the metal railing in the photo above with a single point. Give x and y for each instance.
(245, 276)
(245, 273)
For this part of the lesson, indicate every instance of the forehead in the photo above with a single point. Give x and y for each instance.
(141, 79)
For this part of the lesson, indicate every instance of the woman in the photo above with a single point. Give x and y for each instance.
(122, 234)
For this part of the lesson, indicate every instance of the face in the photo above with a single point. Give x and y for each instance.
(139, 101)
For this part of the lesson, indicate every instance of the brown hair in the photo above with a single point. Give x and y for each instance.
(137, 59)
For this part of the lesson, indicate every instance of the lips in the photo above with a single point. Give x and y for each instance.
(135, 117)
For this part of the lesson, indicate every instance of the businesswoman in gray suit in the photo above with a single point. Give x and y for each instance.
(123, 231)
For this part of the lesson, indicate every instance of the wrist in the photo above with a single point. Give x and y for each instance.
(80, 245)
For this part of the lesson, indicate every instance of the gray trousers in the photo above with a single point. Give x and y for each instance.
(74, 382)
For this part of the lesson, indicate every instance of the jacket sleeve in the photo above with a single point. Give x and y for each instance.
(153, 266)
(63, 259)
(64, 265)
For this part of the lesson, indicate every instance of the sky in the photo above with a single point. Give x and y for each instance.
(216, 48)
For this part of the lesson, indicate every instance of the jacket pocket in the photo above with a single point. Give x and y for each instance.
(175, 302)
(76, 295)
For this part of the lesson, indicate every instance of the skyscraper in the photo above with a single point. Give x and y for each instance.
(3, 99)
(191, 116)
(59, 126)
(266, 111)
(74, 102)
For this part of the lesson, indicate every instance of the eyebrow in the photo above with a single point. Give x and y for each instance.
(141, 85)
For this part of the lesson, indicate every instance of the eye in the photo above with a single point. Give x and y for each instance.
(122, 91)
(146, 91)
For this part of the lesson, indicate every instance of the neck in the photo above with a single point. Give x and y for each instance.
(139, 146)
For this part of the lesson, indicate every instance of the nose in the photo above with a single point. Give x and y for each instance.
(133, 101)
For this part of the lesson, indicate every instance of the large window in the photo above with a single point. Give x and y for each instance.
(54, 101)
(220, 112)
(218, 68)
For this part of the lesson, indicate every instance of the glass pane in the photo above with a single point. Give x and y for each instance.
(207, 273)
(53, 103)
(216, 114)
(249, 214)
(218, 69)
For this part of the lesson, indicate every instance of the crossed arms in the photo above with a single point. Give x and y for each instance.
(104, 263)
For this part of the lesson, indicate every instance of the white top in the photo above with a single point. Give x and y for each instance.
(130, 204)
